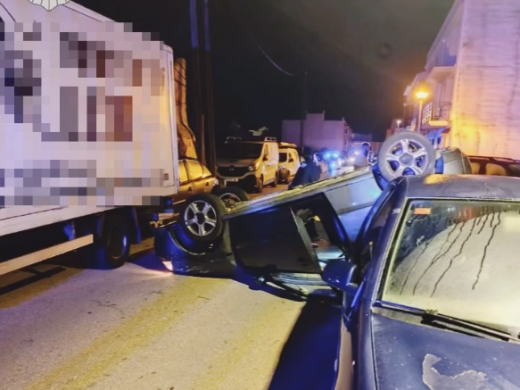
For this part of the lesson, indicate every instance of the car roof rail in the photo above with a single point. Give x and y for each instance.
(270, 139)
(233, 138)
(288, 145)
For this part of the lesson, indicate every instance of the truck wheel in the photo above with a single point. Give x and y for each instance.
(231, 196)
(112, 249)
(201, 217)
(406, 153)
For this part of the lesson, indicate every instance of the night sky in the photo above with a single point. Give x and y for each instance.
(359, 54)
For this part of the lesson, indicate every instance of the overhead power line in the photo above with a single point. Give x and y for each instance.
(237, 14)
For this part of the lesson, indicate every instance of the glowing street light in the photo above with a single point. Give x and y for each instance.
(421, 95)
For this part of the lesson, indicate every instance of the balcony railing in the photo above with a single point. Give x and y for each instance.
(427, 114)
(443, 112)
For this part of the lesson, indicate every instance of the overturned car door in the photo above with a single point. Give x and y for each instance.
(272, 236)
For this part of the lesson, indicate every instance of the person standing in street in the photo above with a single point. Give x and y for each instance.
(309, 171)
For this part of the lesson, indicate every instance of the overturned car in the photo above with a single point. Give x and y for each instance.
(272, 236)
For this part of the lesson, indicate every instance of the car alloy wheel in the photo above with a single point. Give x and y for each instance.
(201, 218)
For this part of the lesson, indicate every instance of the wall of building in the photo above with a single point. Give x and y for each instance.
(318, 132)
(486, 105)
(446, 46)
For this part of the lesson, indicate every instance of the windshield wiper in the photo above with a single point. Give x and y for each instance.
(433, 317)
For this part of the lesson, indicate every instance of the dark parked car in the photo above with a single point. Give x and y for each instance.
(431, 288)
(495, 166)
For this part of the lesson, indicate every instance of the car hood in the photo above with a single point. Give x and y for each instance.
(411, 356)
(236, 163)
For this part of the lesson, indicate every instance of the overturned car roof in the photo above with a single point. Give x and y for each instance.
(463, 186)
(302, 192)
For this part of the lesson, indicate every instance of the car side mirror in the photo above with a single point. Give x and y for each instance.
(266, 158)
(291, 160)
(340, 274)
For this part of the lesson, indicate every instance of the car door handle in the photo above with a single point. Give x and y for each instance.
(190, 189)
(207, 184)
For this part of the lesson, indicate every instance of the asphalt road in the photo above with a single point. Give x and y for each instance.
(65, 326)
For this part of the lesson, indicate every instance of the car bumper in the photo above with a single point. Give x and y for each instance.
(247, 180)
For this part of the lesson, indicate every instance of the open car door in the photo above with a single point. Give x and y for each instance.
(272, 237)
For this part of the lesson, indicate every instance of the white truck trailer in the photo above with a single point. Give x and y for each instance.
(88, 132)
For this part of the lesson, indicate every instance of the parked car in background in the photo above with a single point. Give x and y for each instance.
(495, 166)
(249, 164)
(289, 162)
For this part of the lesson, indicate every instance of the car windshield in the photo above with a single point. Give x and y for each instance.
(240, 150)
(459, 258)
(283, 157)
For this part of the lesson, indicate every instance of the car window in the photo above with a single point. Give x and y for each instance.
(194, 169)
(375, 211)
(283, 157)
(456, 257)
(183, 175)
(515, 170)
(374, 229)
(495, 170)
(475, 166)
(205, 172)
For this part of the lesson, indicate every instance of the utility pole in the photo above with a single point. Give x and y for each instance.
(210, 118)
(199, 120)
(304, 111)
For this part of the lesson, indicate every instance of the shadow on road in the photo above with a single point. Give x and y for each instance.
(307, 359)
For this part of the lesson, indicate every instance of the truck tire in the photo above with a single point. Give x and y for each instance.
(231, 195)
(201, 217)
(112, 249)
(406, 153)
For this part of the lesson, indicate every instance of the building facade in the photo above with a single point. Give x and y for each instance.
(472, 75)
(318, 132)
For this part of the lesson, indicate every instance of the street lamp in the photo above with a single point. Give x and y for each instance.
(420, 95)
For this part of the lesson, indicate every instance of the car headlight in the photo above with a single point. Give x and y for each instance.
(250, 168)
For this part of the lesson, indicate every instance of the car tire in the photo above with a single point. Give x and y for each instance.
(275, 182)
(260, 186)
(112, 249)
(201, 217)
(406, 153)
(232, 195)
(195, 247)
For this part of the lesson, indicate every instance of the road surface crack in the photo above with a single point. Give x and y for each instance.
(109, 305)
